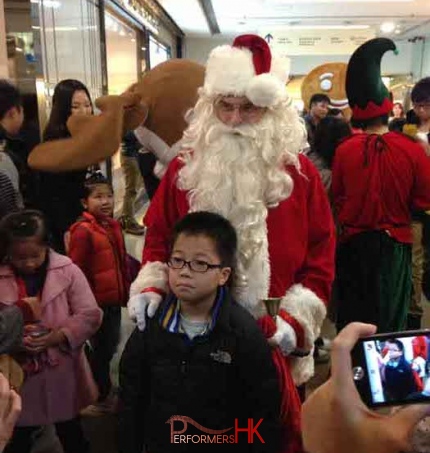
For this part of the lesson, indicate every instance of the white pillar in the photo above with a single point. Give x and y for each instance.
(4, 72)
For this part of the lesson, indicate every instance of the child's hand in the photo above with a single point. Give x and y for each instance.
(52, 339)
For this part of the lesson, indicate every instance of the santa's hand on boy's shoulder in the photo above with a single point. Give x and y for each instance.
(142, 305)
(285, 337)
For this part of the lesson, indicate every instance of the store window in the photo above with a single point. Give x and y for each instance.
(69, 45)
(22, 64)
(121, 51)
(158, 52)
(123, 67)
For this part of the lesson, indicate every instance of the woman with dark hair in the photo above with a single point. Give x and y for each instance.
(329, 132)
(60, 193)
(398, 111)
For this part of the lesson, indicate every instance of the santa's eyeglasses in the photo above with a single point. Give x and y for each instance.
(246, 110)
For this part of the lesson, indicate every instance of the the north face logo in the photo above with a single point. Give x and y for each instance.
(221, 356)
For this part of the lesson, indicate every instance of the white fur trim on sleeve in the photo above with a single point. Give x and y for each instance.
(310, 311)
(152, 275)
(159, 170)
(153, 143)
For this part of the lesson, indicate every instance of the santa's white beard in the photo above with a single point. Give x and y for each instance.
(235, 167)
(236, 172)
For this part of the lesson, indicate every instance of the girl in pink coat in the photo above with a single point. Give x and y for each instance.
(58, 382)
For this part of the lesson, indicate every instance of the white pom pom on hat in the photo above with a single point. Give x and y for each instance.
(246, 69)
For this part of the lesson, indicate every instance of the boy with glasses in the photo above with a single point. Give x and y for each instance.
(201, 356)
(420, 117)
(420, 97)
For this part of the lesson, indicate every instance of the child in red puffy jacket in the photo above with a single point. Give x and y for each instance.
(96, 245)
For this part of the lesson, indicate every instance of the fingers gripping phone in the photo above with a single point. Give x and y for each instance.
(393, 369)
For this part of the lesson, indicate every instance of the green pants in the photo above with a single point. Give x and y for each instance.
(374, 281)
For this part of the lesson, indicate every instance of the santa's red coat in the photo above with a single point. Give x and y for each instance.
(300, 230)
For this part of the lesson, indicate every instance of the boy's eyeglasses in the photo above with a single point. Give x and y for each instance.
(194, 265)
(422, 105)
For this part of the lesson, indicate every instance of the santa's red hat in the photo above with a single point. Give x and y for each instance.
(247, 69)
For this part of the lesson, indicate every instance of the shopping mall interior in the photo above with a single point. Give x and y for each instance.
(109, 45)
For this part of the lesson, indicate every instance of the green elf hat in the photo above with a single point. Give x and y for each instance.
(367, 95)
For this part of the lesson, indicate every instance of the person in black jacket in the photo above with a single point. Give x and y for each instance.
(420, 117)
(13, 169)
(202, 357)
(398, 376)
(60, 193)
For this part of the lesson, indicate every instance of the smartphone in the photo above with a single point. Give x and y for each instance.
(36, 330)
(39, 334)
(393, 369)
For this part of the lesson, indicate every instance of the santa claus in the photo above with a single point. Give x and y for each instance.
(241, 158)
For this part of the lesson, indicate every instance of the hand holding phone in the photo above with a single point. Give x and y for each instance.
(393, 369)
(336, 420)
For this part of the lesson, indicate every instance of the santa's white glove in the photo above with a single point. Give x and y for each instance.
(141, 305)
(285, 337)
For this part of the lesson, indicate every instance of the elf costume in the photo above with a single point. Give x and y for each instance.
(378, 177)
(290, 254)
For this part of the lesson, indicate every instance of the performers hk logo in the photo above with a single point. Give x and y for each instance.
(212, 436)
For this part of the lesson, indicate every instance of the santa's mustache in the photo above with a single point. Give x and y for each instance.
(219, 129)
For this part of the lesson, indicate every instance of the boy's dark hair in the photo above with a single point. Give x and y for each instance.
(398, 343)
(371, 122)
(214, 226)
(21, 225)
(318, 97)
(94, 180)
(421, 91)
(9, 97)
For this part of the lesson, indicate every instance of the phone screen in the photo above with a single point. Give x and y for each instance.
(393, 369)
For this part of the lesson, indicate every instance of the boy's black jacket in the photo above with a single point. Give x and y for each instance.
(226, 375)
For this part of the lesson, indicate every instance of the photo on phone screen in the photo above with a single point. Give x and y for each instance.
(393, 369)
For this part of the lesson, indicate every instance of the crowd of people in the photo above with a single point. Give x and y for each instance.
(257, 205)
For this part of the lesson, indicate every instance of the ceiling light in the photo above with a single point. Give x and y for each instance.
(286, 2)
(326, 27)
(48, 3)
(388, 27)
(56, 29)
